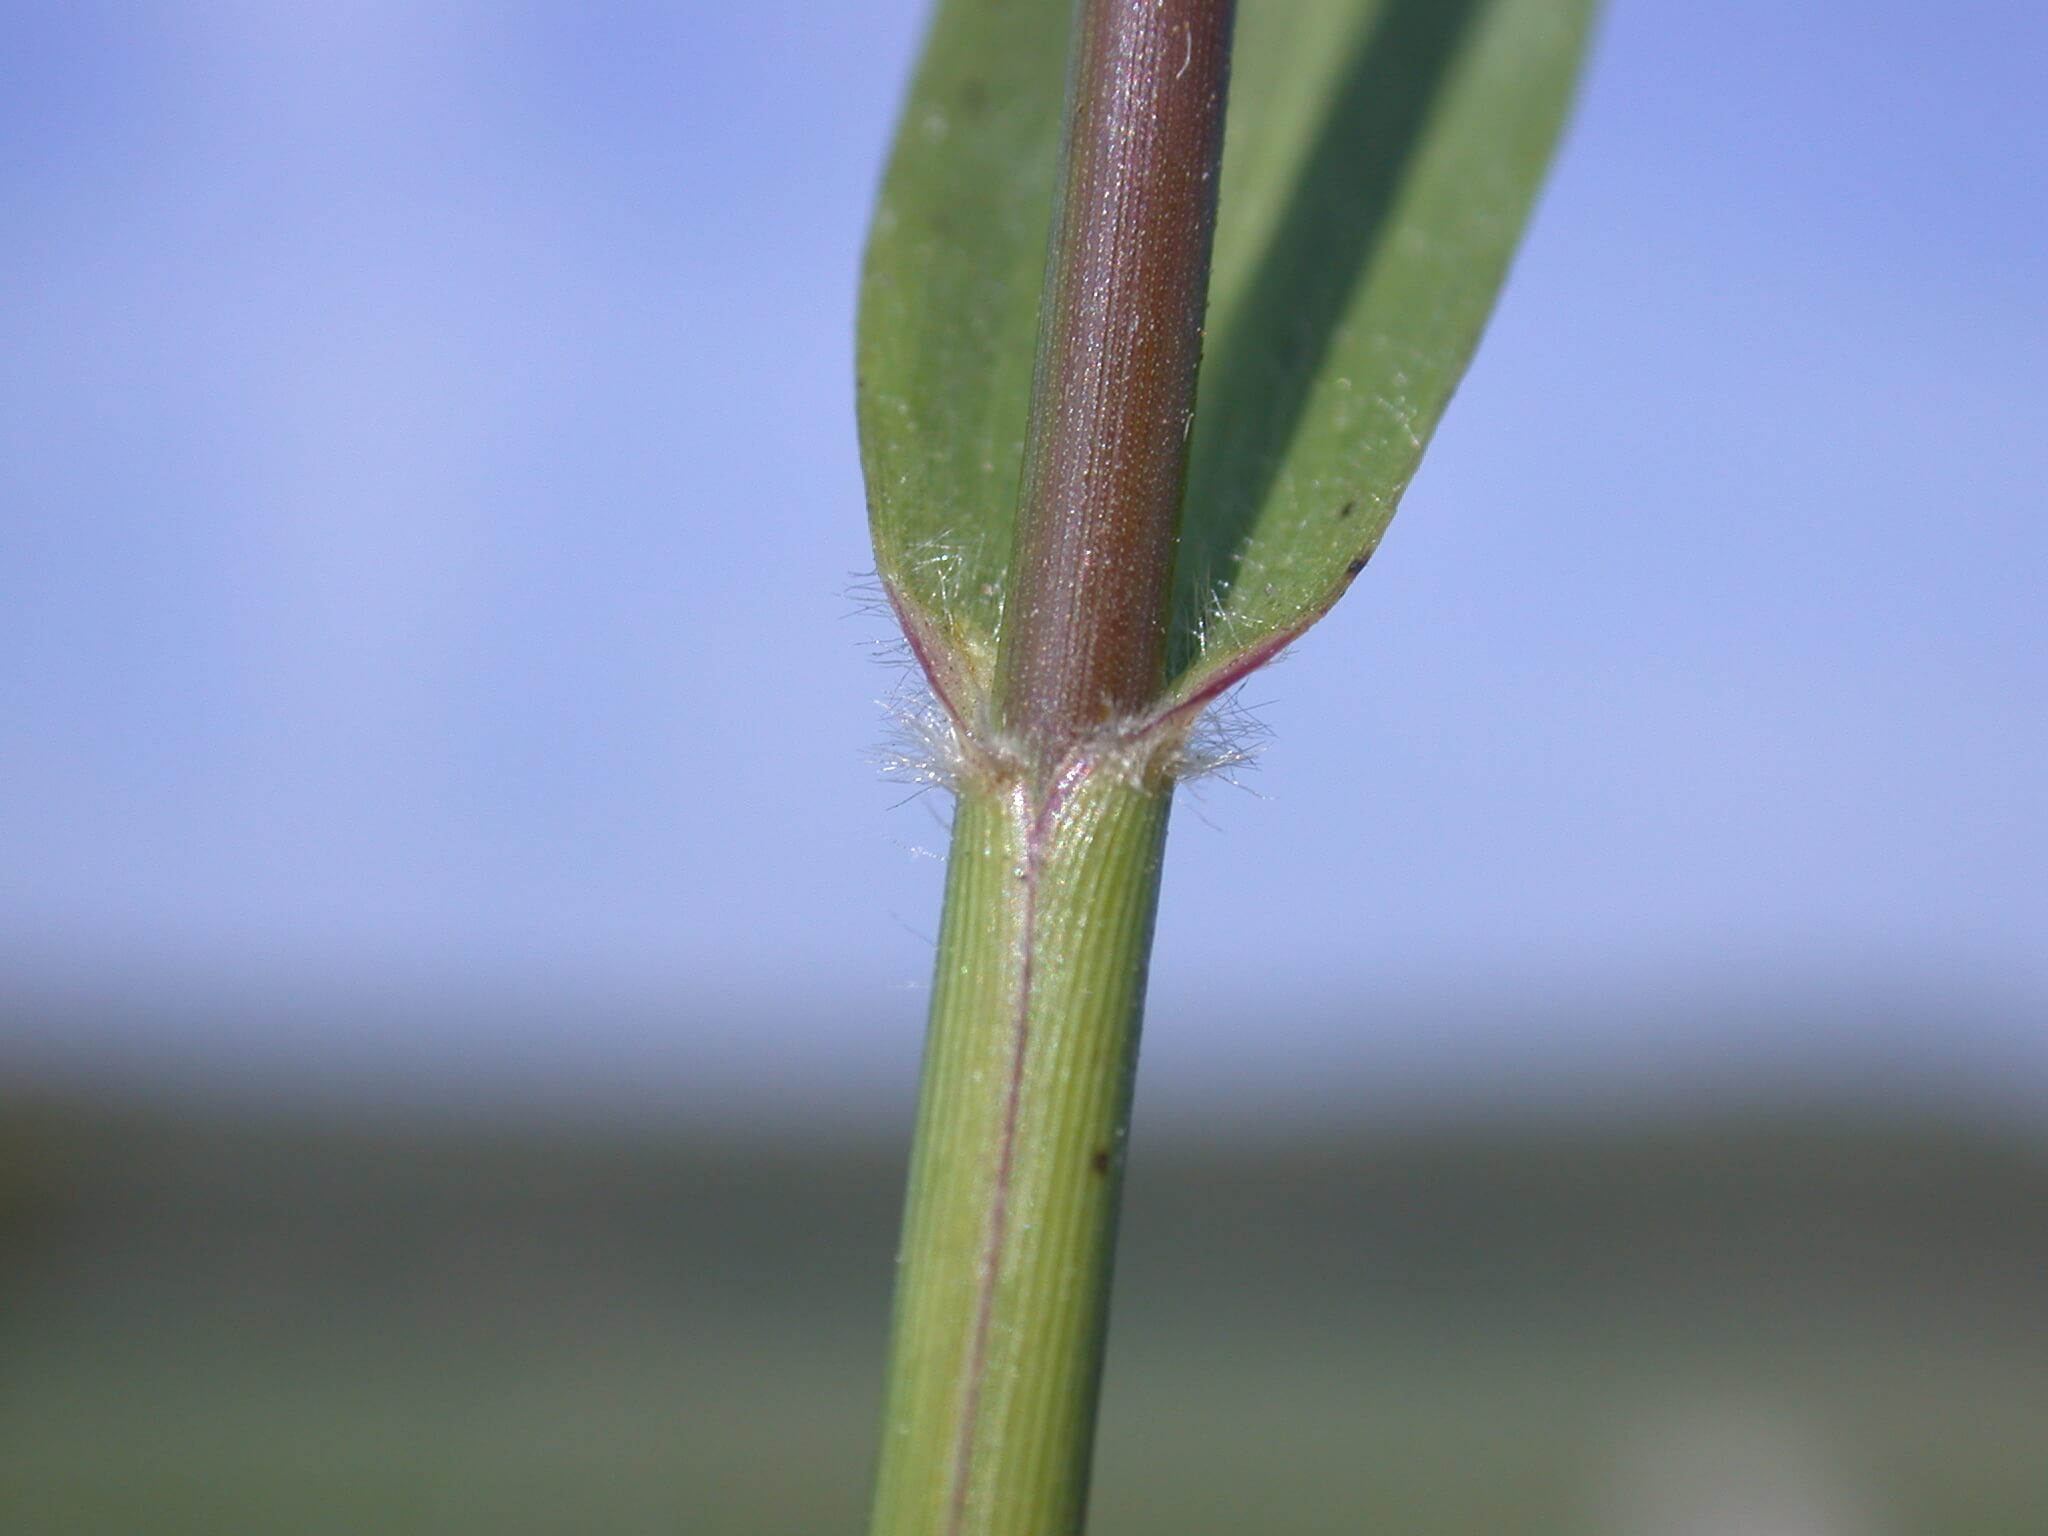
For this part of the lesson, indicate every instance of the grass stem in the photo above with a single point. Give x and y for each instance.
(1003, 1290)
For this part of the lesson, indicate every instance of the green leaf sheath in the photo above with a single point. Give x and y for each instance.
(1380, 159)
(1003, 1287)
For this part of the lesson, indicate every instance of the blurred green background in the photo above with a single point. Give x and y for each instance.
(223, 1320)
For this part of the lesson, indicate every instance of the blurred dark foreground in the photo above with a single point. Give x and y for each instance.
(1789, 1326)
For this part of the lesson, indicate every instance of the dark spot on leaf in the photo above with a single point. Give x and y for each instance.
(1347, 509)
(1100, 1162)
(1357, 565)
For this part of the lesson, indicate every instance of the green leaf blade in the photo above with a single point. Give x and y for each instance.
(949, 319)
(1381, 158)
(1360, 247)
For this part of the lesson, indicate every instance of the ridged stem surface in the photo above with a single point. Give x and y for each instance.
(1003, 1287)
(1084, 632)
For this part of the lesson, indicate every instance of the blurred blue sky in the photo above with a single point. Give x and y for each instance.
(428, 504)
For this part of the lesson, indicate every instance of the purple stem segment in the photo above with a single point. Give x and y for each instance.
(1084, 634)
